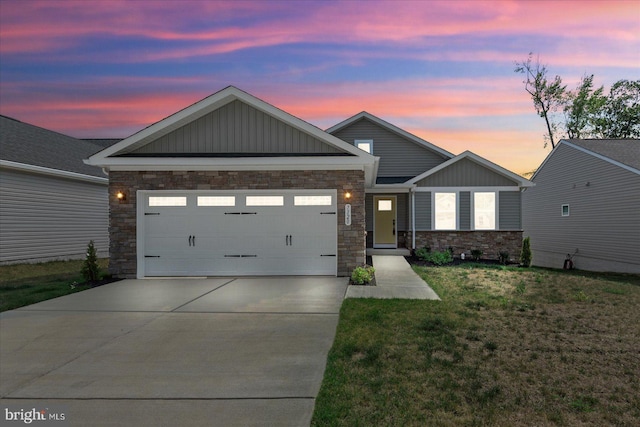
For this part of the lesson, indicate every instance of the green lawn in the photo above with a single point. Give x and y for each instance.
(25, 284)
(504, 347)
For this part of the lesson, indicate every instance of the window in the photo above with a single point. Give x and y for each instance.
(445, 211)
(312, 200)
(216, 201)
(265, 200)
(365, 145)
(484, 211)
(167, 201)
(565, 210)
(384, 205)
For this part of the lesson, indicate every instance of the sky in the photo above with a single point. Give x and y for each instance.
(443, 71)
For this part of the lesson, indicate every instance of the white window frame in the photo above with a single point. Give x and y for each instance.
(474, 211)
(562, 210)
(167, 201)
(456, 204)
(313, 200)
(368, 142)
(271, 200)
(213, 201)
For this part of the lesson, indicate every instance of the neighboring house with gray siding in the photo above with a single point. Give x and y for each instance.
(586, 203)
(426, 196)
(52, 204)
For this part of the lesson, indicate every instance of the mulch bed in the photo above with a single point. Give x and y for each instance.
(414, 260)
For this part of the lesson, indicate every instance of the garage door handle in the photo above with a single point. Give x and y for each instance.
(189, 240)
(194, 240)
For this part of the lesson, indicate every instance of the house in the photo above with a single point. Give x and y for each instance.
(52, 204)
(586, 205)
(233, 185)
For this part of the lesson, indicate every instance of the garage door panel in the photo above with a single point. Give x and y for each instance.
(240, 240)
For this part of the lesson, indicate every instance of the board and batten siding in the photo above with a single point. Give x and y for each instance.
(509, 210)
(465, 173)
(604, 213)
(423, 210)
(399, 157)
(46, 218)
(237, 128)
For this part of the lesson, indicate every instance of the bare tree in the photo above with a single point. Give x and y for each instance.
(548, 97)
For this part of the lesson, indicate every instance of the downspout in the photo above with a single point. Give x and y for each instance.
(413, 218)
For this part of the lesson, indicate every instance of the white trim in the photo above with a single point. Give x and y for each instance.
(413, 220)
(522, 182)
(395, 213)
(53, 172)
(356, 142)
(562, 210)
(417, 140)
(472, 189)
(472, 213)
(433, 211)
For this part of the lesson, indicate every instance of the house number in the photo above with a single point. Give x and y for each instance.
(347, 214)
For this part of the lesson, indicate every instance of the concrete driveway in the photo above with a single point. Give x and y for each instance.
(220, 351)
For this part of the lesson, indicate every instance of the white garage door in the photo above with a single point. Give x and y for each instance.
(237, 233)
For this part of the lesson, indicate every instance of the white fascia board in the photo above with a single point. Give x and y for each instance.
(393, 128)
(211, 103)
(53, 172)
(470, 189)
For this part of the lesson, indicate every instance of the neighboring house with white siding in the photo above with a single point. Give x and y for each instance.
(586, 203)
(51, 203)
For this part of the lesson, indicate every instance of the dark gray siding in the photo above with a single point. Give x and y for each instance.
(509, 210)
(237, 128)
(464, 210)
(398, 156)
(464, 173)
(45, 218)
(423, 210)
(604, 221)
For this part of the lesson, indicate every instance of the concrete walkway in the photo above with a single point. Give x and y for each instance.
(394, 279)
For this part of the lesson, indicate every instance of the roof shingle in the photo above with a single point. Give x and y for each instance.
(625, 151)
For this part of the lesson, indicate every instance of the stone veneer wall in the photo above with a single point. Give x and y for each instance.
(490, 242)
(122, 215)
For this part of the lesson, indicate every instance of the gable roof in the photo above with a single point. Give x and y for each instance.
(521, 181)
(392, 128)
(115, 156)
(625, 151)
(33, 148)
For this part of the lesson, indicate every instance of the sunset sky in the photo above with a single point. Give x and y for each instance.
(441, 70)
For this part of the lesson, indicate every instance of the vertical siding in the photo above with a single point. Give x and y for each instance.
(398, 156)
(43, 218)
(464, 210)
(464, 173)
(423, 210)
(509, 210)
(236, 128)
(604, 221)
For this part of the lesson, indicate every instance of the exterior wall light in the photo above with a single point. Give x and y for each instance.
(347, 195)
(121, 196)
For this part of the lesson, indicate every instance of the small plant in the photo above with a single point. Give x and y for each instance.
(362, 275)
(90, 269)
(435, 257)
(503, 256)
(476, 254)
(525, 255)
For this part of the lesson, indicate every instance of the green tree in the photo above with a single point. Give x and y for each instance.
(620, 116)
(582, 107)
(90, 268)
(548, 96)
(525, 255)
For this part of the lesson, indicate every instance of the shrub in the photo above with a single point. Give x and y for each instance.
(362, 275)
(435, 257)
(423, 253)
(525, 255)
(504, 257)
(90, 269)
(476, 254)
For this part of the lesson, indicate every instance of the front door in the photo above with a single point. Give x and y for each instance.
(384, 222)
